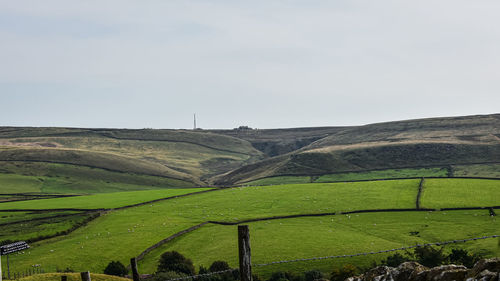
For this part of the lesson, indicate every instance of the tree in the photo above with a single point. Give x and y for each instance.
(218, 266)
(461, 256)
(173, 261)
(221, 266)
(430, 256)
(116, 268)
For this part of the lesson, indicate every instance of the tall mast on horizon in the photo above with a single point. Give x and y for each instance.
(194, 126)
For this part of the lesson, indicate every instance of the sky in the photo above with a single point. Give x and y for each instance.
(263, 64)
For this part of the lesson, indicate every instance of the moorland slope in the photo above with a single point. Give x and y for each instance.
(180, 158)
(433, 142)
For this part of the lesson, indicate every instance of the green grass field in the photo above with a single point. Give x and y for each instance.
(385, 174)
(450, 193)
(39, 177)
(35, 229)
(289, 239)
(255, 202)
(126, 233)
(99, 201)
(8, 217)
(12, 183)
(280, 180)
(354, 176)
(478, 170)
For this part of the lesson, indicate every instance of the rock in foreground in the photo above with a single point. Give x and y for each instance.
(483, 270)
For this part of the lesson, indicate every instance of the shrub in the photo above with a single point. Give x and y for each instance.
(395, 260)
(167, 275)
(430, 256)
(340, 274)
(278, 276)
(203, 270)
(173, 261)
(312, 275)
(461, 256)
(219, 266)
(116, 268)
(281, 275)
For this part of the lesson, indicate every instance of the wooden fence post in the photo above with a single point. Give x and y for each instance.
(85, 276)
(8, 267)
(244, 253)
(135, 272)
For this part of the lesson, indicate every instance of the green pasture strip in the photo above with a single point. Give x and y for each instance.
(99, 201)
(452, 193)
(9, 198)
(354, 176)
(8, 217)
(256, 202)
(385, 174)
(133, 230)
(39, 228)
(67, 178)
(22, 177)
(11, 183)
(92, 186)
(289, 239)
(477, 170)
(280, 180)
(24, 197)
(117, 235)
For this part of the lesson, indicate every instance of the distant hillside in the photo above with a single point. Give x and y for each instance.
(80, 160)
(180, 155)
(274, 142)
(414, 143)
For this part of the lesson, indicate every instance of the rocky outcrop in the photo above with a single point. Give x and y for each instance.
(483, 270)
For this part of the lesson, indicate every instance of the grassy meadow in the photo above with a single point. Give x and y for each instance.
(289, 239)
(477, 170)
(385, 174)
(100, 200)
(40, 227)
(125, 233)
(354, 176)
(39, 177)
(10, 217)
(460, 193)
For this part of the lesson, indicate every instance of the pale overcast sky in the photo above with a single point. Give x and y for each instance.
(265, 64)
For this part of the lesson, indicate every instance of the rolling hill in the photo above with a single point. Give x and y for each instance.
(159, 158)
(124, 159)
(434, 142)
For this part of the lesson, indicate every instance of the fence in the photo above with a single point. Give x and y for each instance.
(35, 269)
(245, 268)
